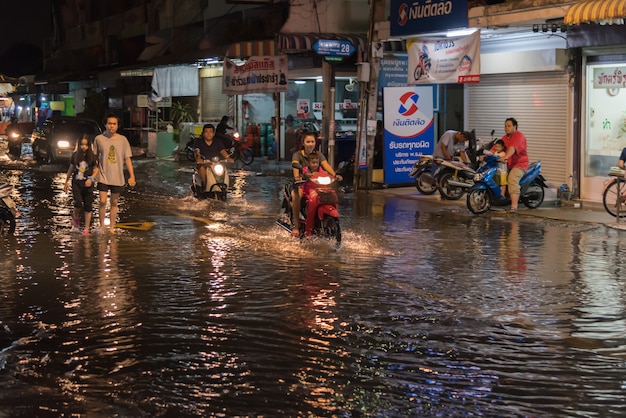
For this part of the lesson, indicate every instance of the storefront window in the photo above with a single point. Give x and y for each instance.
(606, 117)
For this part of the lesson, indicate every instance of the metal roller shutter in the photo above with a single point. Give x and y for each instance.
(540, 103)
(214, 103)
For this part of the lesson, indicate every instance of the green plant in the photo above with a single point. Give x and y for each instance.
(181, 113)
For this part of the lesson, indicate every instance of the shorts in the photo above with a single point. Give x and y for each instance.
(114, 189)
(514, 177)
(83, 197)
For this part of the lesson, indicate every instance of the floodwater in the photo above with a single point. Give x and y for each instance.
(425, 310)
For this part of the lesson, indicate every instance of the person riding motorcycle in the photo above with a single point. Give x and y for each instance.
(208, 147)
(302, 157)
(221, 131)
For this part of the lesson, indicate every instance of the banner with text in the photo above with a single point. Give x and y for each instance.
(609, 77)
(444, 60)
(266, 74)
(408, 130)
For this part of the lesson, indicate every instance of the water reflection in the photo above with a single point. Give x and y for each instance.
(424, 311)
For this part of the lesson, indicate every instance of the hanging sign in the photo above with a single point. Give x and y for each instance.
(266, 74)
(444, 60)
(333, 47)
(408, 130)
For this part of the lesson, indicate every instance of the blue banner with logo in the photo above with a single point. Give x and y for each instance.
(423, 16)
(408, 130)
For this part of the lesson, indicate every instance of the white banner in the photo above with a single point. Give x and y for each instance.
(266, 74)
(444, 60)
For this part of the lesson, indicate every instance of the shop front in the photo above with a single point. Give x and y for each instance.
(600, 90)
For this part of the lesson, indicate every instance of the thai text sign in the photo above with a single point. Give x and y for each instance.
(423, 16)
(333, 47)
(608, 77)
(444, 60)
(408, 130)
(266, 74)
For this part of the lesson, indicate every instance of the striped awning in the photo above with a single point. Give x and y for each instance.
(303, 42)
(251, 49)
(596, 11)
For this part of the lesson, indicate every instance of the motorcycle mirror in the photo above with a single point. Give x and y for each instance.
(493, 131)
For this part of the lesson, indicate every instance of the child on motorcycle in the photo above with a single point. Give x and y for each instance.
(301, 157)
(499, 149)
(312, 170)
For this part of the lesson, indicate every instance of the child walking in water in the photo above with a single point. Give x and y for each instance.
(499, 149)
(81, 175)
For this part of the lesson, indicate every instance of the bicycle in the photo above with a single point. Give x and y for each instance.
(614, 196)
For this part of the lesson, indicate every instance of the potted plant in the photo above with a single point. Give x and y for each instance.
(180, 113)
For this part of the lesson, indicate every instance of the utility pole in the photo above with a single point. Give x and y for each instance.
(369, 96)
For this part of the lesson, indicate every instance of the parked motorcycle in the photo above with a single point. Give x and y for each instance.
(487, 192)
(8, 210)
(327, 214)
(454, 178)
(424, 171)
(189, 148)
(238, 148)
(215, 184)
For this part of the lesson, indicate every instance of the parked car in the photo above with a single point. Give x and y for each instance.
(56, 140)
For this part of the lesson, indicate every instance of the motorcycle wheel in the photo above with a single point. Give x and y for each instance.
(331, 228)
(418, 72)
(190, 155)
(447, 191)
(533, 195)
(246, 156)
(7, 224)
(425, 183)
(478, 201)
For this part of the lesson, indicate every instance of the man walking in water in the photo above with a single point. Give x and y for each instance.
(113, 150)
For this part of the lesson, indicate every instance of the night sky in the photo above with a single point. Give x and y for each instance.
(25, 24)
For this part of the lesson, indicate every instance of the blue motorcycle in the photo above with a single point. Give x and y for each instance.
(486, 192)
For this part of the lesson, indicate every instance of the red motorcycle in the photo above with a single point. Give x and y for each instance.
(240, 149)
(322, 190)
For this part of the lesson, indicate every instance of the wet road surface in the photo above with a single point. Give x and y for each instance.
(425, 310)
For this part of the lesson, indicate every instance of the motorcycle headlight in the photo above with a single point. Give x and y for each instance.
(478, 177)
(218, 169)
(324, 180)
(63, 143)
(15, 135)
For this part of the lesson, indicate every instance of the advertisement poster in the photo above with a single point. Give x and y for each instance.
(408, 130)
(303, 109)
(444, 60)
(266, 74)
(393, 71)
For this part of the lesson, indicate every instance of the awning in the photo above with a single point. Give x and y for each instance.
(251, 48)
(596, 11)
(303, 42)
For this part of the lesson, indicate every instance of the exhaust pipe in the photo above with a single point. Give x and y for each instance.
(462, 184)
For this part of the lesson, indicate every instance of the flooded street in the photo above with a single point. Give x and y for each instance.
(425, 310)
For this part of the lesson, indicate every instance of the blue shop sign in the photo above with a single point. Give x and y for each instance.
(423, 16)
(333, 47)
